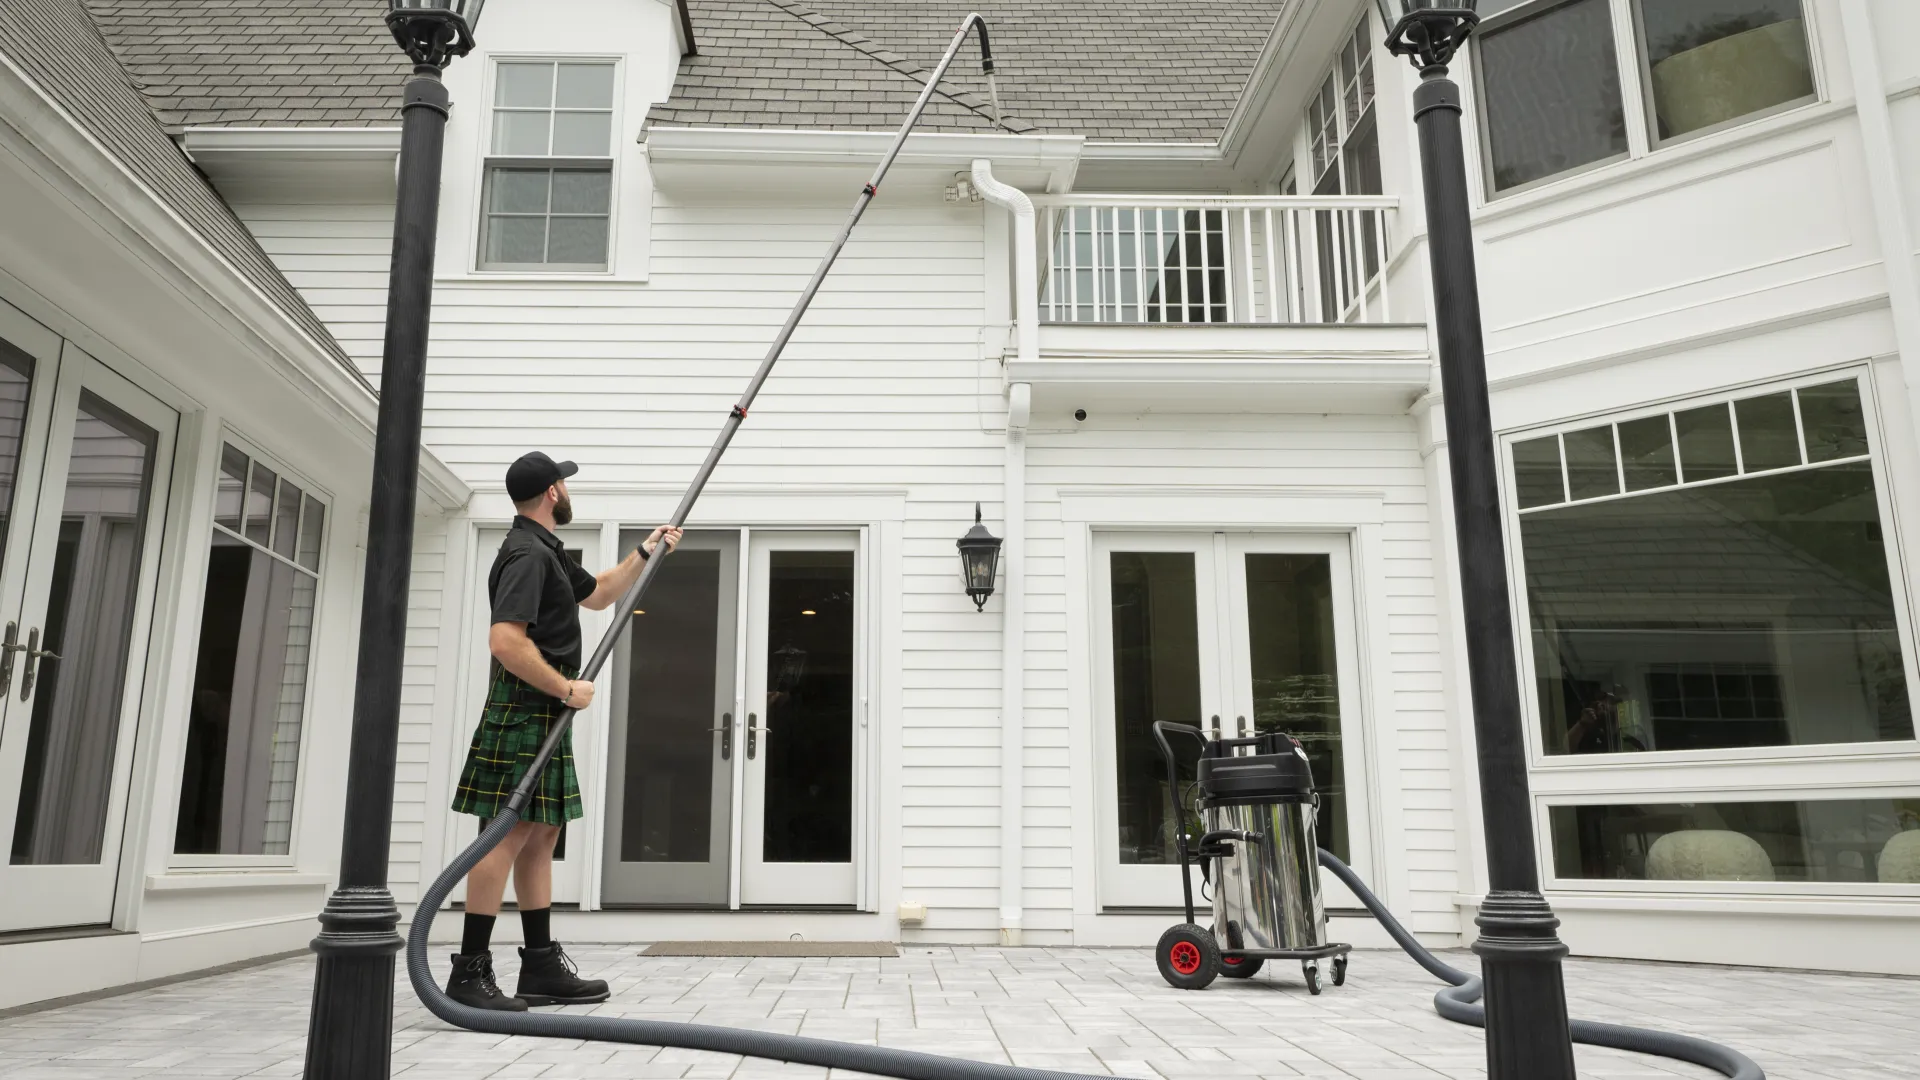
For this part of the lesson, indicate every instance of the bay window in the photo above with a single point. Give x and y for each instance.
(1553, 98)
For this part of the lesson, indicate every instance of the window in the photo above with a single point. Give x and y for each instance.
(549, 179)
(1816, 841)
(1548, 75)
(250, 681)
(1712, 578)
(1344, 158)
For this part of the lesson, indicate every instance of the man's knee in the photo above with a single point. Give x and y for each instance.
(539, 837)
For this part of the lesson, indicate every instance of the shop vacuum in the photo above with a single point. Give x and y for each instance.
(1260, 837)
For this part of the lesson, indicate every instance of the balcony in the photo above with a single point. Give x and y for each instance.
(1184, 304)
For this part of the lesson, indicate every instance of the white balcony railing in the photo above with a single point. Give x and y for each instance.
(1227, 259)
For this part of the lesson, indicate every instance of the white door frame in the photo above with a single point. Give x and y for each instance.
(1355, 732)
(1146, 886)
(760, 883)
(71, 895)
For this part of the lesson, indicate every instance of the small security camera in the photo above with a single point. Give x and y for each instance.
(1079, 414)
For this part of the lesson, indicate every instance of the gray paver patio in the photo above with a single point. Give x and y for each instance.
(1102, 1011)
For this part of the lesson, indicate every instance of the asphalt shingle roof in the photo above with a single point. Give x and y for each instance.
(329, 63)
(1108, 69)
(55, 44)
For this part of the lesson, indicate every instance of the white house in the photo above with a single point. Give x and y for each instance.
(1165, 321)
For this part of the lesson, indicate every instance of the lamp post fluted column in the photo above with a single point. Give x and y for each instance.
(1519, 947)
(350, 1027)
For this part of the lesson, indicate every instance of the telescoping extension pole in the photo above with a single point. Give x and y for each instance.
(908, 1065)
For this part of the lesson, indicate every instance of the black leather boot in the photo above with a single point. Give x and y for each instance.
(548, 977)
(472, 985)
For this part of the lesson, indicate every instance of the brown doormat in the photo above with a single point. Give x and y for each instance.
(771, 948)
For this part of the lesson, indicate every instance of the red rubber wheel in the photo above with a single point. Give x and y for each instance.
(1188, 957)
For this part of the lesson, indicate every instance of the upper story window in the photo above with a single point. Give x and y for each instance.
(549, 176)
(1343, 140)
(1552, 99)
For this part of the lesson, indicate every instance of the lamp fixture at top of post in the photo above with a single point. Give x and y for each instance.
(1431, 30)
(434, 32)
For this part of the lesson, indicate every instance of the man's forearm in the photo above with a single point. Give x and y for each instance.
(613, 584)
(522, 657)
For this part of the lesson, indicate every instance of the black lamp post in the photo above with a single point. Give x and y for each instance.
(979, 559)
(350, 1028)
(1520, 953)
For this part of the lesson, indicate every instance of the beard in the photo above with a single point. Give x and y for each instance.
(563, 510)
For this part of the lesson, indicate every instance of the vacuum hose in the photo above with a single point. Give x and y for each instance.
(1456, 1003)
(1460, 1001)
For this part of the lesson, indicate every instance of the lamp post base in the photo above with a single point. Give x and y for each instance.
(350, 1035)
(1525, 995)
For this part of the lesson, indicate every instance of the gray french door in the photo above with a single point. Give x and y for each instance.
(672, 732)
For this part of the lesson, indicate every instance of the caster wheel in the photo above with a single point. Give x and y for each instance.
(1188, 957)
(1236, 967)
(1312, 972)
(1340, 971)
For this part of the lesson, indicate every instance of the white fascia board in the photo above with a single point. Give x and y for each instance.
(779, 146)
(284, 346)
(1278, 50)
(369, 142)
(1206, 153)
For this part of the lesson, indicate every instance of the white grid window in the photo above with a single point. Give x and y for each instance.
(548, 197)
(1703, 587)
(250, 680)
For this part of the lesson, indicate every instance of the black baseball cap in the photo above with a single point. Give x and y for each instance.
(535, 473)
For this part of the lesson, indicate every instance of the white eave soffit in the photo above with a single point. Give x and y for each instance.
(688, 157)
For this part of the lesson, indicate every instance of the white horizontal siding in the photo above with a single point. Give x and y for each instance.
(882, 386)
(336, 254)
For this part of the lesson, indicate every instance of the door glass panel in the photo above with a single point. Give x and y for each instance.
(807, 736)
(1296, 686)
(1156, 676)
(16, 374)
(672, 706)
(66, 786)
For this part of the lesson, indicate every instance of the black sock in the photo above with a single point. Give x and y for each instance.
(477, 937)
(537, 925)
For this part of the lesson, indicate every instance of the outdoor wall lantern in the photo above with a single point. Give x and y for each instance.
(979, 560)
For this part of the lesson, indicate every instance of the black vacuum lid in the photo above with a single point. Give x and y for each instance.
(1277, 771)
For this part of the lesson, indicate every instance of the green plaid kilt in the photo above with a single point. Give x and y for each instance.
(514, 724)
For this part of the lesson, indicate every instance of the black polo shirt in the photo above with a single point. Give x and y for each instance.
(534, 582)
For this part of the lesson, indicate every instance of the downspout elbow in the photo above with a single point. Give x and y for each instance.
(1026, 271)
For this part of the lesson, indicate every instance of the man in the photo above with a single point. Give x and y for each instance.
(536, 592)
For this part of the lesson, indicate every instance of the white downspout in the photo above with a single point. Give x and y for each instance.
(1026, 317)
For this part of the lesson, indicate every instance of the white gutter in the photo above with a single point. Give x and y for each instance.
(1026, 319)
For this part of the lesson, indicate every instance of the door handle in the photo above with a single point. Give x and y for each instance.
(8, 647)
(1214, 722)
(34, 655)
(753, 735)
(726, 736)
(1240, 725)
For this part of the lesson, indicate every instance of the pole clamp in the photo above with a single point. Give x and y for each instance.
(871, 190)
(740, 411)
